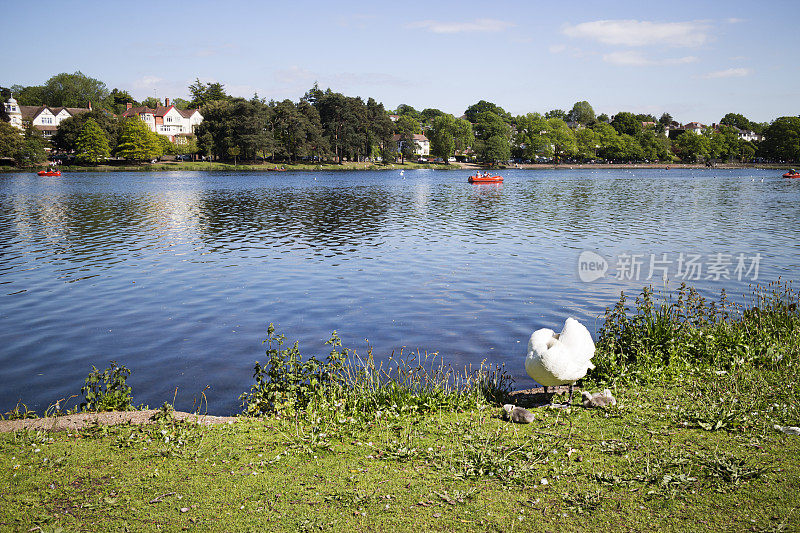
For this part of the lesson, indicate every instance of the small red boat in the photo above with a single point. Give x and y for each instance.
(485, 179)
(49, 172)
(792, 174)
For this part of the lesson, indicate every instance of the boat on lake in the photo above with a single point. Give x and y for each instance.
(478, 178)
(49, 172)
(792, 174)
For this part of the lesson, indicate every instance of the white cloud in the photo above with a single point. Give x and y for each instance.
(477, 25)
(147, 82)
(642, 32)
(729, 73)
(557, 48)
(733, 20)
(634, 58)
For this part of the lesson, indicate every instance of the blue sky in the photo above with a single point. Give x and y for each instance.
(696, 60)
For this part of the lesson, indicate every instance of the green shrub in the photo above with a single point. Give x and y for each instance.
(666, 335)
(349, 385)
(107, 390)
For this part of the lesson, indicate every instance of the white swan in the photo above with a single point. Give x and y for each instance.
(560, 358)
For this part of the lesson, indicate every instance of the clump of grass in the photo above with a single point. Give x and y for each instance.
(349, 385)
(667, 335)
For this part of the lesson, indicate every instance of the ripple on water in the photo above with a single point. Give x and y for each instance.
(176, 275)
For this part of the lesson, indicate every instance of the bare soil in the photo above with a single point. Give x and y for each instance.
(82, 420)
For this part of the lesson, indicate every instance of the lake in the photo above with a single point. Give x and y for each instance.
(176, 275)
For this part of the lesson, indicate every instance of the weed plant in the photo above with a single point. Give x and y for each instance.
(348, 385)
(664, 336)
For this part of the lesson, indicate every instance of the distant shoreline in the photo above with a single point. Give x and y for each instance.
(225, 167)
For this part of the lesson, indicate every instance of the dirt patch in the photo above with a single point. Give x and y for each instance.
(113, 418)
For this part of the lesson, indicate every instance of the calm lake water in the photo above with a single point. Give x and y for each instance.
(176, 275)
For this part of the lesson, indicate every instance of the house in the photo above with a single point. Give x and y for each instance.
(394, 118)
(694, 127)
(43, 118)
(166, 120)
(422, 142)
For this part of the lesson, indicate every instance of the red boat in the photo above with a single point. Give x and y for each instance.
(49, 173)
(792, 174)
(485, 179)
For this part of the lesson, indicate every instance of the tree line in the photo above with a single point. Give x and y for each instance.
(324, 125)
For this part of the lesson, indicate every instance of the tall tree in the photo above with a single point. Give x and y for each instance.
(74, 90)
(66, 137)
(472, 113)
(33, 148)
(92, 145)
(582, 113)
(10, 140)
(137, 142)
(736, 120)
(556, 113)
(205, 93)
(442, 136)
(626, 123)
(782, 139)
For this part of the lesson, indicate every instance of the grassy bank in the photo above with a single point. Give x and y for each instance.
(692, 444)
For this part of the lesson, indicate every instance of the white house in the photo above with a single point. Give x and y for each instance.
(422, 142)
(695, 127)
(167, 120)
(44, 118)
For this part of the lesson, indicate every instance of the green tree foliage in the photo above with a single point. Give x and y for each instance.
(582, 113)
(407, 124)
(654, 146)
(236, 122)
(495, 149)
(586, 143)
(180, 103)
(556, 113)
(665, 119)
(117, 101)
(691, 147)
(31, 95)
(10, 140)
(442, 136)
(474, 111)
(345, 124)
(562, 138)
(205, 93)
(297, 130)
(66, 137)
(74, 90)
(92, 144)
(405, 110)
(782, 140)
(602, 117)
(137, 142)
(533, 136)
(626, 123)
(738, 121)
(151, 102)
(32, 151)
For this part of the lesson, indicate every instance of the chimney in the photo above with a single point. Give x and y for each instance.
(128, 105)
(166, 102)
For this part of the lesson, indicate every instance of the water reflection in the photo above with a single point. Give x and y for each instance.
(176, 274)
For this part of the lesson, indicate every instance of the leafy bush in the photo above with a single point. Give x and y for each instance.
(350, 385)
(107, 390)
(668, 335)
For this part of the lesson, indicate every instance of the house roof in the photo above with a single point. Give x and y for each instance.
(186, 113)
(417, 137)
(694, 125)
(30, 112)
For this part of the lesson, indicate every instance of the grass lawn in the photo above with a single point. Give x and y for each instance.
(644, 465)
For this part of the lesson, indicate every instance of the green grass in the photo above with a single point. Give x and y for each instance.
(642, 466)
